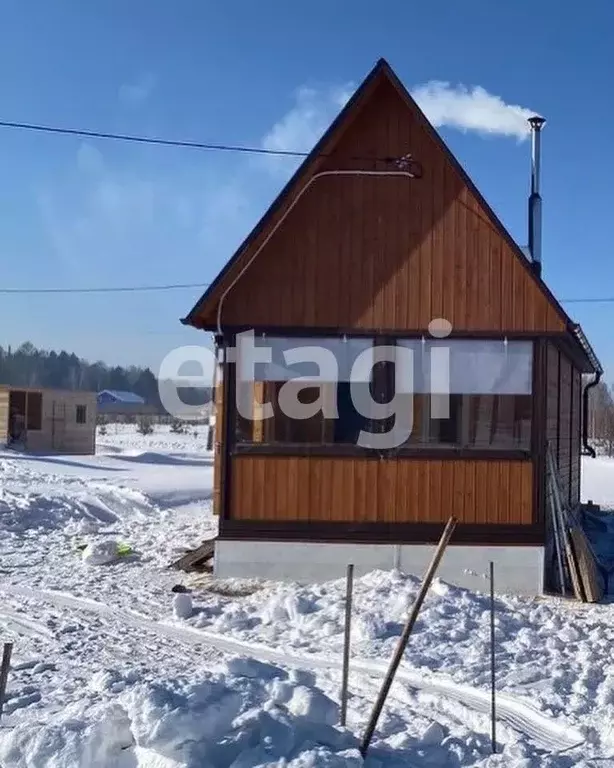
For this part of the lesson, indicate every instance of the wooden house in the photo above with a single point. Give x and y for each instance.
(381, 239)
(48, 420)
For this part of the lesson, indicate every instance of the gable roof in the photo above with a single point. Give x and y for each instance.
(381, 71)
(122, 397)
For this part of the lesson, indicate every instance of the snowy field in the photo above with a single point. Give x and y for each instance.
(112, 669)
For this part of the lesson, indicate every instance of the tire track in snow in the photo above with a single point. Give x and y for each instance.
(546, 733)
(15, 622)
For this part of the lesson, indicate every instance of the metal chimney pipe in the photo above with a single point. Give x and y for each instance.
(535, 201)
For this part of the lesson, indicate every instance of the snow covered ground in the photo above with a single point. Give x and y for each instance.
(246, 674)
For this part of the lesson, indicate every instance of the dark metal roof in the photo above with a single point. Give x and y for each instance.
(122, 396)
(578, 333)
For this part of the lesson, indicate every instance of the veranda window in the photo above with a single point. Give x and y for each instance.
(463, 394)
(273, 406)
(472, 394)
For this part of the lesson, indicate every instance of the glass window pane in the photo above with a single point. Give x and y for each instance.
(480, 366)
(331, 359)
(273, 409)
(470, 393)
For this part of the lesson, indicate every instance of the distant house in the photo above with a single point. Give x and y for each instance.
(117, 403)
(48, 420)
(118, 397)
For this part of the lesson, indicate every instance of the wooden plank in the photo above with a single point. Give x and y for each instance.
(587, 570)
(198, 559)
(473, 300)
(220, 412)
(449, 244)
(459, 492)
(574, 571)
(437, 503)
(330, 489)
(437, 253)
(464, 259)
(485, 311)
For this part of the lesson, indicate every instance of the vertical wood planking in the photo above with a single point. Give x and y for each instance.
(484, 308)
(460, 257)
(473, 267)
(374, 252)
(437, 254)
(350, 489)
(495, 280)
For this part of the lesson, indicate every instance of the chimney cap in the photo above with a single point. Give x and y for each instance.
(536, 122)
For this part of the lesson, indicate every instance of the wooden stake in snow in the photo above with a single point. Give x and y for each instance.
(346, 645)
(411, 620)
(4, 672)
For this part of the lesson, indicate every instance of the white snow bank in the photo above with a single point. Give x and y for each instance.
(552, 654)
(225, 720)
(598, 481)
(74, 504)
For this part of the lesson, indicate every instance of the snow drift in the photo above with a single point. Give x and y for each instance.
(245, 715)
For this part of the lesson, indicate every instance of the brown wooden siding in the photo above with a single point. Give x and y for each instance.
(563, 420)
(564, 444)
(576, 427)
(359, 490)
(552, 396)
(386, 253)
(218, 445)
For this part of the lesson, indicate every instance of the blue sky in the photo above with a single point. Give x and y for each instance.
(82, 213)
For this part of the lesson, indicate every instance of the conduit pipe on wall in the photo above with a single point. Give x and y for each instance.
(314, 178)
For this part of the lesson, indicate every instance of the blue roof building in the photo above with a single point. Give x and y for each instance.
(108, 396)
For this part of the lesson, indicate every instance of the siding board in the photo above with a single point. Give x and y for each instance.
(357, 490)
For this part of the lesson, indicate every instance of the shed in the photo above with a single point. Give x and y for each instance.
(48, 420)
(380, 241)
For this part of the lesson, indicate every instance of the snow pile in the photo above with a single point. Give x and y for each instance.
(552, 654)
(36, 512)
(115, 666)
(248, 714)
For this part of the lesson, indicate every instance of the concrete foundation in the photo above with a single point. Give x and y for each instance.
(518, 570)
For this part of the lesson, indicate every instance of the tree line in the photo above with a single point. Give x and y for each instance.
(27, 366)
(601, 417)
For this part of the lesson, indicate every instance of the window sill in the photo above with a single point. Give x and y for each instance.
(349, 451)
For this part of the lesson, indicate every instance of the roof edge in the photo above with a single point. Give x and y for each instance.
(380, 66)
(496, 221)
(584, 343)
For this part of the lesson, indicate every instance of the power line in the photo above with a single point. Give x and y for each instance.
(184, 286)
(407, 162)
(108, 289)
(592, 300)
(40, 128)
